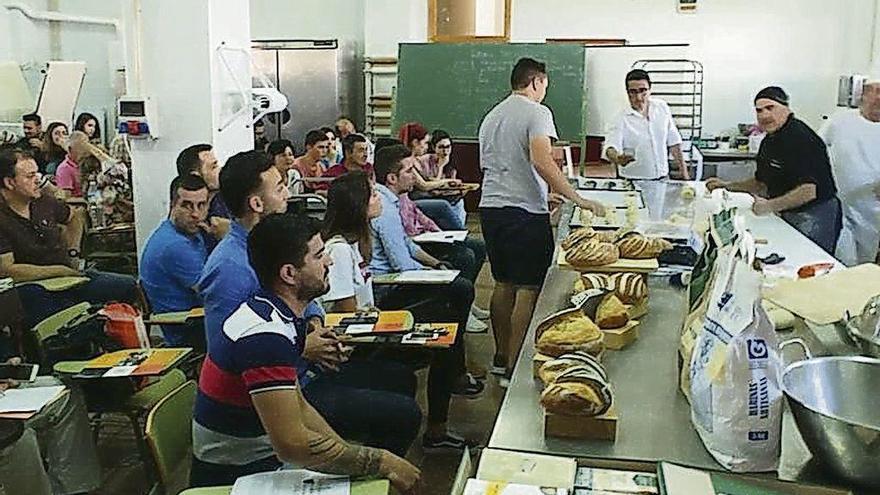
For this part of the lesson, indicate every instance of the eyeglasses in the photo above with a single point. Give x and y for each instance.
(637, 91)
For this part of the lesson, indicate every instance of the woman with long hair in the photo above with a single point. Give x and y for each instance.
(55, 145)
(88, 124)
(352, 202)
(430, 193)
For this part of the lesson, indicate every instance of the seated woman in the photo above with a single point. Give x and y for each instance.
(88, 124)
(428, 191)
(55, 146)
(352, 201)
(281, 153)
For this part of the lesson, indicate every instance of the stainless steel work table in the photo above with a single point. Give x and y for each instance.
(654, 417)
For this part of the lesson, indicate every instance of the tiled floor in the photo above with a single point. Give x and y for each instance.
(474, 418)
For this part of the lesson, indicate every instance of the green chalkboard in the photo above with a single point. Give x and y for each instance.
(452, 86)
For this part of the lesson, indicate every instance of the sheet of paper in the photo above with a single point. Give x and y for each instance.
(291, 481)
(120, 371)
(677, 479)
(28, 399)
(445, 236)
(359, 329)
(427, 276)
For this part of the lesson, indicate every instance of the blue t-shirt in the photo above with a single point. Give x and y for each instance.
(216, 208)
(229, 280)
(171, 265)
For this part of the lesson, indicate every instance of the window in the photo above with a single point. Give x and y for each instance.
(469, 20)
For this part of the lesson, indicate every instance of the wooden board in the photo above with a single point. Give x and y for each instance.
(637, 310)
(621, 265)
(602, 427)
(825, 299)
(619, 338)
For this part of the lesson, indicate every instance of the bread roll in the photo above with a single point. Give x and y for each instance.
(592, 253)
(571, 332)
(577, 236)
(611, 313)
(637, 246)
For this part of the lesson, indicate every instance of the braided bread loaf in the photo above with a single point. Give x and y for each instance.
(569, 333)
(592, 253)
(555, 367)
(637, 246)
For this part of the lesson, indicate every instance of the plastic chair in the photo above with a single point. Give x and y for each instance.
(169, 435)
(50, 326)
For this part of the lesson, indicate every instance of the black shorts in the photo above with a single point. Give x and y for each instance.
(519, 244)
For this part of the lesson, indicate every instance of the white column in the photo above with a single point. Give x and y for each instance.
(181, 70)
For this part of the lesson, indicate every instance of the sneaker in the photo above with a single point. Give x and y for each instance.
(498, 366)
(476, 326)
(447, 441)
(480, 313)
(469, 387)
(478, 372)
(504, 382)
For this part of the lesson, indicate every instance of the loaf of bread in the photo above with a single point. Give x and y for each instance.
(593, 281)
(578, 392)
(611, 313)
(636, 246)
(569, 333)
(592, 253)
(584, 234)
(551, 370)
(631, 288)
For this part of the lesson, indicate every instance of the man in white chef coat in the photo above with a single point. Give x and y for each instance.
(853, 140)
(644, 135)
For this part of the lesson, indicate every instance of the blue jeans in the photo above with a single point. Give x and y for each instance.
(102, 287)
(369, 401)
(446, 215)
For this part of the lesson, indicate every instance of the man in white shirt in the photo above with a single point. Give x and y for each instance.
(644, 135)
(853, 140)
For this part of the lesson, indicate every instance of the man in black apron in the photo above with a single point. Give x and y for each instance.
(794, 176)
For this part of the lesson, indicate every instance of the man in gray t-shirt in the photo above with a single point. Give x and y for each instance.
(516, 156)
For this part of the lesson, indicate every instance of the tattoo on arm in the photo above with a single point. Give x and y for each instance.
(334, 457)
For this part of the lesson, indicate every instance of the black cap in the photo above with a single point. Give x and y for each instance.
(774, 93)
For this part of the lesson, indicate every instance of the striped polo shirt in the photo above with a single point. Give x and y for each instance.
(260, 349)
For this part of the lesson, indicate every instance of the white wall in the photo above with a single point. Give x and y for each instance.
(30, 43)
(803, 45)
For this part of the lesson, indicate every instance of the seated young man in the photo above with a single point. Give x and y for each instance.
(254, 189)
(199, 159)
(31, 246)
(355, 150)
(173, 258)
(309, 165)
(251, 414)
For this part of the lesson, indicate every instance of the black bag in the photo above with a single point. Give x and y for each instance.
(81, 339)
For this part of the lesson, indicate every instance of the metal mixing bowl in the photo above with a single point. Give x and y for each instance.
(837, 410)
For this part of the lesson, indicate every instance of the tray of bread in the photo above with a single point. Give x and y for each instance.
(614, 218)
(589, 250)
(615, 199)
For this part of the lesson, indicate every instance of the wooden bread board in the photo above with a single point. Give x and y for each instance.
(618, 338)
(825, 299)
(602, 427)
(638, 309)
(621, 265)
